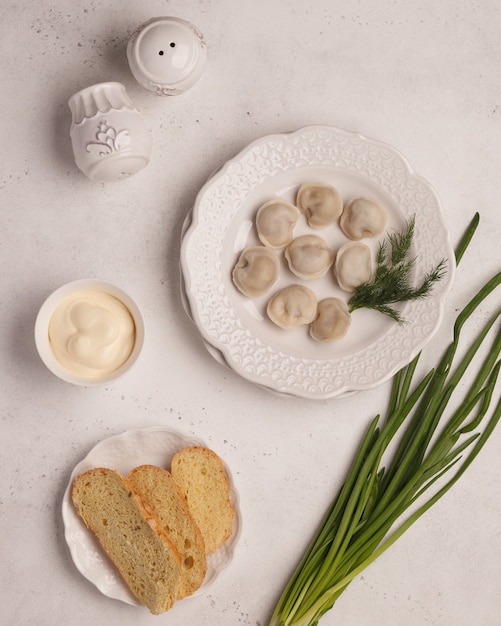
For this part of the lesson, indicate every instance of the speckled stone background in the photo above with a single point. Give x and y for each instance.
(421, 76)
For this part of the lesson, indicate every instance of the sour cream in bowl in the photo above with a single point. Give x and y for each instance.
(89, 332)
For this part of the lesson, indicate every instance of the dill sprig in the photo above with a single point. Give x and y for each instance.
(392, 278)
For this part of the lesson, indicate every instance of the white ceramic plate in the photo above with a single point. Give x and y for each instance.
(156, 445)
(222, 224)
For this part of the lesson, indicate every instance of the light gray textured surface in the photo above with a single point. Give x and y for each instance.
(420, 76)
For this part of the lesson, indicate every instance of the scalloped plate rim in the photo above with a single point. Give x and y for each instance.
(193, 223)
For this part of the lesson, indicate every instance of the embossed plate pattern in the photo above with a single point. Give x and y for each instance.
(222, 224)
(156, 445)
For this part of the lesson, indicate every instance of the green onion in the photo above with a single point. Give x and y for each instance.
(432, 432)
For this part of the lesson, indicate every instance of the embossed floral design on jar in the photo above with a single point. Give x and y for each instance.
(110, 138)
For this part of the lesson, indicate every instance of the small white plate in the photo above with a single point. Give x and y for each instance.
(156, 446)
(221, 224)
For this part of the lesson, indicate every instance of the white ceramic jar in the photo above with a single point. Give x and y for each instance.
(110, 137)
(167, 55)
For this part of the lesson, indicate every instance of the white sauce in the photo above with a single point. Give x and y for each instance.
(92, 333)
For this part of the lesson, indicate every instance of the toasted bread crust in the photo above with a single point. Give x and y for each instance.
(201, 475)
(158, 488)
(131, 535)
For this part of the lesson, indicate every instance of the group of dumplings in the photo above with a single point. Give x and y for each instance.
(309, 257)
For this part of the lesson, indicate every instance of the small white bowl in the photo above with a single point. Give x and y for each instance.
(45, 315)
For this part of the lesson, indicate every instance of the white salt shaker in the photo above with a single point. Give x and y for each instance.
(167, 55)
(110, 137)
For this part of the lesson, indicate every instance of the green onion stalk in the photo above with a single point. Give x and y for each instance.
(433, 443)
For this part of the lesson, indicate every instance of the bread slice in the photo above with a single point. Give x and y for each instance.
(202, 477)
(160, 491)
(130, 534)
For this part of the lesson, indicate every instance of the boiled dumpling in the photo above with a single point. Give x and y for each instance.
(256, 270)
(363, 217)
(353, 266)
(309, 256)
(275, 221)
(292, 306)
(321, 204)
(332, 321)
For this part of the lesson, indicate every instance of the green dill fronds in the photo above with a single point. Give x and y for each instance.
(392, 277)
(401, 242)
